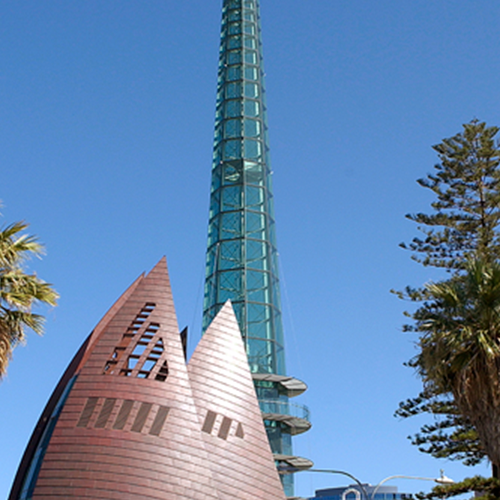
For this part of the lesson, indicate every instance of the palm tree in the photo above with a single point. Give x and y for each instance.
(19, 291)
(460, 347)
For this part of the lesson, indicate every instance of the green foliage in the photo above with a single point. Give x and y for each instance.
(459, 347)
(466, 212)
(462, 225)
(450, 436)
(19, 291)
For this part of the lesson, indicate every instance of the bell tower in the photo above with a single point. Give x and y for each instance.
(242, 259)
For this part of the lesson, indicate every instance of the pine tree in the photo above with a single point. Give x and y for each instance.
(463, 225)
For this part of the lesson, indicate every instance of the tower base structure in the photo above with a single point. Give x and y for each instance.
(130, 420)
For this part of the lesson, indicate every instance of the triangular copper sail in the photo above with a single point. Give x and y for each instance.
(232, 426)
(125, 426)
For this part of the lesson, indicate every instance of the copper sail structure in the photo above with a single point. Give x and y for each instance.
(128, 421)
(242, 263)
(233, 430)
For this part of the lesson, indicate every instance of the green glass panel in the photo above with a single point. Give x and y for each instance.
(229, 286)
(232, 150)
(213, 231)
(230, 255)
(217, 134)
(260, 356)
(278, 328)
(232, 128)
(256, 254)
(233, 90)
(232, 109)
(235, 29)
(255, 225)
(251, 74)
(210, 289)
(254, 173)
(250, 42)
(258, 286)
(216, 178)
(214, 204)
(280, 359)
(211, 260)
(251, 127)
(232, 173)
(249, 28)
(217, 153)
(251, 57)
(231, 198)
(251, 90)
(254, 198)
(252, 149)
(239, 311)
(249, 16)
(234, 42)
(234, 57)
(258, 313)
(234, 73)
(252, 108)
(260, 331)
(234, 16)
(230, 225)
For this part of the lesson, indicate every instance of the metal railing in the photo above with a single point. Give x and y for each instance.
(285, 408)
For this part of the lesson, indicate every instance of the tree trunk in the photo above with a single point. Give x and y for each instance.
(494, 471)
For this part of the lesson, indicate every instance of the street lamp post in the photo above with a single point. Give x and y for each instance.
(440, 480)
(333, 471)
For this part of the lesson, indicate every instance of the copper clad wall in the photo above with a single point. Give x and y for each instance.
(233, 429)
(125, 437)
(136, 424)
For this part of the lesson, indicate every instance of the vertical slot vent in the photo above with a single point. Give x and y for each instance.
(141, 417)
(159, 420)
(87, 412)
(239, 431)
(224, 428)
(106, 410)
(123, 414)
(208, 425)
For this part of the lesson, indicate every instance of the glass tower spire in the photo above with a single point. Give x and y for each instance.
(241, 257)
(242, 262)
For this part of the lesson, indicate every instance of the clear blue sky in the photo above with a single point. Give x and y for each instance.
(105, 147)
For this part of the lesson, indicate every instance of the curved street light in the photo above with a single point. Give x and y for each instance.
(333, 471)
(440, 480)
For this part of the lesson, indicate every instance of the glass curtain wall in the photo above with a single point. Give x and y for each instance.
(242, 262)
(241, 257)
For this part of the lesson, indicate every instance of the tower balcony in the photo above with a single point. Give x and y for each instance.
(288, 385)
(295, 416)
(289, 464)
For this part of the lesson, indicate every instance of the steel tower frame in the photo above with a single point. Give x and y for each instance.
(242, 259)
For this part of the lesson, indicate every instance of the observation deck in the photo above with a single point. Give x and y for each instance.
(288, 464)
(290, 386)
(296, 417)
